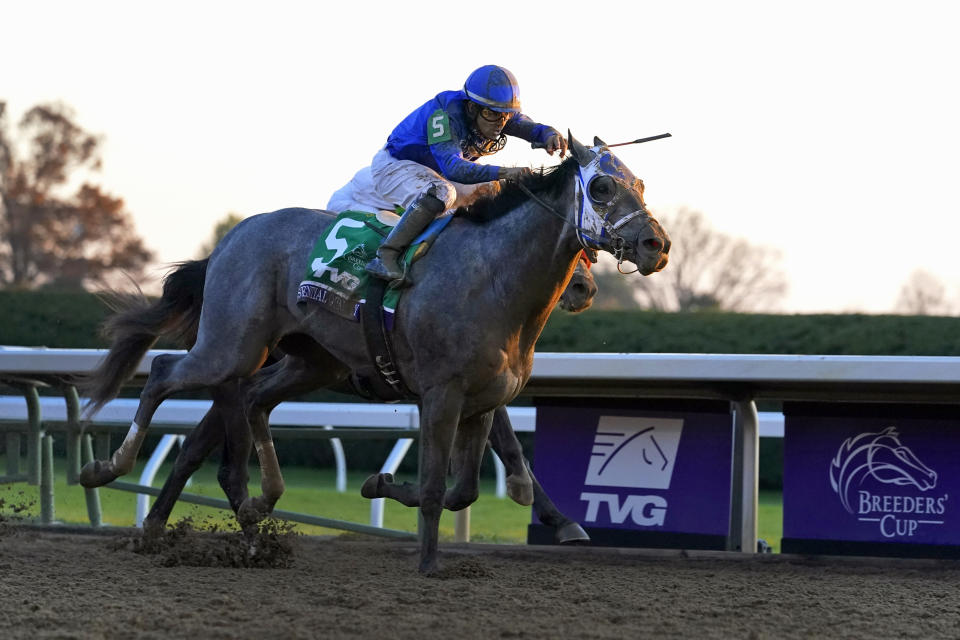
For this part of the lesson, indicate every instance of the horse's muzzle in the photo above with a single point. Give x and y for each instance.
(652, 248)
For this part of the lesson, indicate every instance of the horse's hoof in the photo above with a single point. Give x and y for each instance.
(96, 474)
(153, 530)
(429, 567)
(571, 533)
(250, 513)
(519, 491)
(372, 485)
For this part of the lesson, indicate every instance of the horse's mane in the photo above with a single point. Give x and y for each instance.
(548, 181)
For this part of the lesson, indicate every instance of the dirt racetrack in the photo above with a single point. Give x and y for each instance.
(64, 584)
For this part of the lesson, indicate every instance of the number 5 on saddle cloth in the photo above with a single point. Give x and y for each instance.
(335, 276)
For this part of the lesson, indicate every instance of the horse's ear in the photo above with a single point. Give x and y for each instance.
(578, 151)
(597, 142)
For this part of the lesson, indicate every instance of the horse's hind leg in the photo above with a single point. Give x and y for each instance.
(468, 447)
(233, 473)
(170, 373)
(310, 369)
(504, 442)
(198, 444)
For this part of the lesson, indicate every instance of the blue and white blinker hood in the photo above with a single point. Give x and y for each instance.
(594, 230)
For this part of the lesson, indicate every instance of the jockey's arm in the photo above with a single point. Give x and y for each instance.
(521, 126)
(453, 166)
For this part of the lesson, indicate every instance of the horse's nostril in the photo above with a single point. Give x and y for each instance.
(653, 244)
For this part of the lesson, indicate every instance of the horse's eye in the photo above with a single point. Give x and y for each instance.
(602, 189)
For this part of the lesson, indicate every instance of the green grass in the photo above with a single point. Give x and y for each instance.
(312, 491)
(770, 518)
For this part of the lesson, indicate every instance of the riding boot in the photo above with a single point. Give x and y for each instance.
(414, 220)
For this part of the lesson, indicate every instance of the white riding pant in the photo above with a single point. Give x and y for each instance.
(389, 182)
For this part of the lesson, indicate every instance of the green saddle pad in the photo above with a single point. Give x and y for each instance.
(335, 275)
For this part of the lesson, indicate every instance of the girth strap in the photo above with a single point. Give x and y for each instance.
(386, 384)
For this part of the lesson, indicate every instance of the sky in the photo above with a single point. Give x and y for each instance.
(827, 130)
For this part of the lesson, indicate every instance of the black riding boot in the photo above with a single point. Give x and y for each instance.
(412, 223)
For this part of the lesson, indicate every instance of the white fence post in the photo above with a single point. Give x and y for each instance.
(150, 472)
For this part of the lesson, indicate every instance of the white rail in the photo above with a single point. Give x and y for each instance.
(300, 414)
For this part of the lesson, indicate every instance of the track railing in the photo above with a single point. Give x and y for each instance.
(739, 379)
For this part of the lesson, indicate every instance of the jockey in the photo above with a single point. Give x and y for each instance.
(428, 164)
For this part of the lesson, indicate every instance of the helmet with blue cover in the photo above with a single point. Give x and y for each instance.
(495, 88)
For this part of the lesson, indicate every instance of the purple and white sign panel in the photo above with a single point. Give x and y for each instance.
(637, 468)
(874, 474)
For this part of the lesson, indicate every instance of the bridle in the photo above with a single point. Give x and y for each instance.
(593, 227)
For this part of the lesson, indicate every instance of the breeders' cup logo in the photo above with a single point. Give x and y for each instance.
(633, 452)
(871, 459)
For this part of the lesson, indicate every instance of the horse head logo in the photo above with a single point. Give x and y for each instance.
(636, 452)
(879, 456)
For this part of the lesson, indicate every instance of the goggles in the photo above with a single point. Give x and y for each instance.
(494, 116)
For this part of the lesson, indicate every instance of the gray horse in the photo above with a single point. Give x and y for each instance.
(515, 253)
(226, 423)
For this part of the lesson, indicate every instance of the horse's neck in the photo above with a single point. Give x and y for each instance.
(535, 253)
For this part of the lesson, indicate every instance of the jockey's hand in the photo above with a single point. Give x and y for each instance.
(556, 142)
(514, 174)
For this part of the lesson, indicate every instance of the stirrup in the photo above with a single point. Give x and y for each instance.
(378, 269)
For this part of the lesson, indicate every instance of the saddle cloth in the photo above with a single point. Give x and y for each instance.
(335, 277)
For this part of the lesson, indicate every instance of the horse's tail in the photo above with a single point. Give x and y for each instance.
(139, 322)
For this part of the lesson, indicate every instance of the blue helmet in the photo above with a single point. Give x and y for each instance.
(495, 88)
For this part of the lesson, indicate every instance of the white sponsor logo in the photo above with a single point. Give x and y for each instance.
(339, 247)
(880, 458)
(646, 511)
(634, 452)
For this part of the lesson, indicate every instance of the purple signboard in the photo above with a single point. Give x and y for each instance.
(638, 467)
(876, 474)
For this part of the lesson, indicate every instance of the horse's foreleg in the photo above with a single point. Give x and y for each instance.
(524, 488)
(439, 417)
(468, 447)
(381, 485)
(504, 442)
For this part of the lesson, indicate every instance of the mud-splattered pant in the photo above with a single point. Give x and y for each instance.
(389, 182)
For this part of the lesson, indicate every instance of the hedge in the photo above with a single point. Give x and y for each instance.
(71, 320)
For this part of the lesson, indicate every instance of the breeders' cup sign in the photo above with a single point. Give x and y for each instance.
(871, 479)
(642, 469)
(879, 459)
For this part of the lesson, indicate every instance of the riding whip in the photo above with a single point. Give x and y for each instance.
(640, 140)
(541, 145)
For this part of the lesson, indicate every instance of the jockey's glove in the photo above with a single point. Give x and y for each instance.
(555, 142)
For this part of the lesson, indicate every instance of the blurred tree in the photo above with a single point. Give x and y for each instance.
(219, 230)
(711, 270)
(47, 239)
(923, 294)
